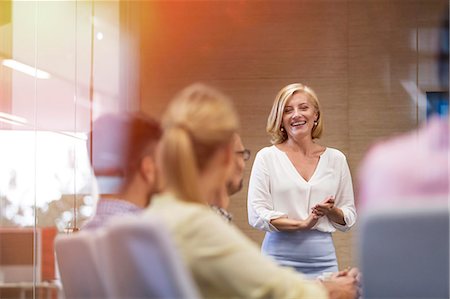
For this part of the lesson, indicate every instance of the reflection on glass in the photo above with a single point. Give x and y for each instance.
(62, 168)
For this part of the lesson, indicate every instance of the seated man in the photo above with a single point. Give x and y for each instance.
(122, 155)
(221, 201)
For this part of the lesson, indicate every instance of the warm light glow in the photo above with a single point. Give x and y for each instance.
(26, 69)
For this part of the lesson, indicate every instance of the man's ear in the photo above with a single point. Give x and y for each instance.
(228, 153)
(148, 170)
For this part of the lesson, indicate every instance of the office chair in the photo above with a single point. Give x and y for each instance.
(142, 262)
(78, 266)
(405, 253)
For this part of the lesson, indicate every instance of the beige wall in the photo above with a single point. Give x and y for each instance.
(355, 54)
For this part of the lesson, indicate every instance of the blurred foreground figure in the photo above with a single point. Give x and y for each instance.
(404, 194)
(197, 156)
(234, 183)
(410, 169)
(123, 149)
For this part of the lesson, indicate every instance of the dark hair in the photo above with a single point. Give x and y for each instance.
(119, 142)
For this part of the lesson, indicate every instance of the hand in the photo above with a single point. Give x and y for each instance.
(352, 272)
(324, 208)
(309, 222)
(342, 287)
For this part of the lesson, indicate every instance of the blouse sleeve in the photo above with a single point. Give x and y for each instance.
(260, 204)
(345, 198)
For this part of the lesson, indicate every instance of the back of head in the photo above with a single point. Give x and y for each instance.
(118, 144)
(197, 123)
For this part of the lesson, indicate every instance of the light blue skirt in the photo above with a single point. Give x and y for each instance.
(309, 252)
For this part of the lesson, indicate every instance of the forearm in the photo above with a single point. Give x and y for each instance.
(336, 215)
(286, 224)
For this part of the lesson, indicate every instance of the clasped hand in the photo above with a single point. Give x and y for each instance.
(324, 208)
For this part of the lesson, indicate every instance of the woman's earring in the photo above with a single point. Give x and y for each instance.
(282, 129)
(315, 123)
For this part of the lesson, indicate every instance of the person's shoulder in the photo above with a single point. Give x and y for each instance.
(179, 215)
(267, 149)
(412, 143)
(391, 158)
(91, 224)
(212, 228)
(267, 152)
(335, 153)
(168, 201)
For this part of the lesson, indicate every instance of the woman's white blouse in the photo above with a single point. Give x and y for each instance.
(276, 189)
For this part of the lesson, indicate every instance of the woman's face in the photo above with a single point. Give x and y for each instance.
(299, 116)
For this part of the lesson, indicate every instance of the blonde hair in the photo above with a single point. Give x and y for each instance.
(198, 121)
(275, 119)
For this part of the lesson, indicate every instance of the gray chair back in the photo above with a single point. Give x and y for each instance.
(405, 253)
(78, 266)
(141, 261)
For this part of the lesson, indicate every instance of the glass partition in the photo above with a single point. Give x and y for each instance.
(59, 70)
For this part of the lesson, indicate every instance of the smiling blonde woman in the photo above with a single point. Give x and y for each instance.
(300, 191)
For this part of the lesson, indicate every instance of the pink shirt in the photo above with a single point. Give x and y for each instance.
(413, 167)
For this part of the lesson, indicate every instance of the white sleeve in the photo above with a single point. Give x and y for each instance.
(260, 204)
(345, 198)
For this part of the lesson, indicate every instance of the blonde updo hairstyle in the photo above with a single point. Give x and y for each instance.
(198, 122)
(274, 122)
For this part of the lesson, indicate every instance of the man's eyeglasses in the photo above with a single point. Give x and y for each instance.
(245, 154)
